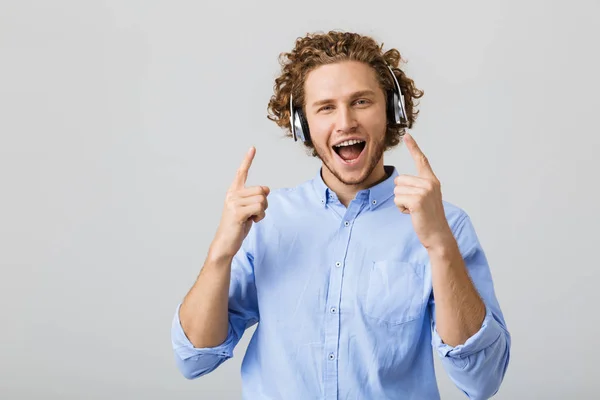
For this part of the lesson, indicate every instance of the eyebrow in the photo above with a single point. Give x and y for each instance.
(355, 94)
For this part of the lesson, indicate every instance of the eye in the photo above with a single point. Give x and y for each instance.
(363, 101)
(325, 108)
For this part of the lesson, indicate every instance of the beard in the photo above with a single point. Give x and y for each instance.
(378, 150)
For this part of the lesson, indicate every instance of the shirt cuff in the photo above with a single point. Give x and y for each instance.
(489, 332)
(185, 349)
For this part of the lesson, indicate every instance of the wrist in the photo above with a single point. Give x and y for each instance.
(219, 254)
(445, 248)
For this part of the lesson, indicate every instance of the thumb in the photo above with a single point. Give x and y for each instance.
(266, 190)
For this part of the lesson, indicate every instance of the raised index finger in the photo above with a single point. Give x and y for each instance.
(423, 167)
(242, 172)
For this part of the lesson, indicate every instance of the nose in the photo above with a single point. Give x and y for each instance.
(346, 120)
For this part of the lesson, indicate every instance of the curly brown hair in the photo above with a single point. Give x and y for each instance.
(316, 49)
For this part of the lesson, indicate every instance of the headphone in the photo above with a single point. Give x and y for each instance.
(395, 109)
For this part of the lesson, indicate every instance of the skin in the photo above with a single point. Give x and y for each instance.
(342, 101)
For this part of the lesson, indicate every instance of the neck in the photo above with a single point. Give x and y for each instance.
(346, 193)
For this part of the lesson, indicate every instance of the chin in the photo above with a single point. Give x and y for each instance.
(353, 170)
(351, 177)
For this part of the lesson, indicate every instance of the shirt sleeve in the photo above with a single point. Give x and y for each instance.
(194, 362)
(477, 367)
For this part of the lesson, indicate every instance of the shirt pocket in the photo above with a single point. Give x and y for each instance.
(395, 291)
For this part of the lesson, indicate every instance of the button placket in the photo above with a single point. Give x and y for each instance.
(333, 311)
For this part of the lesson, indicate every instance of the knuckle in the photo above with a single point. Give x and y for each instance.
(231, 205)
(231, 196)
(235, 212)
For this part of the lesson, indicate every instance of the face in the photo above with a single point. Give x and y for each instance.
(346, 114)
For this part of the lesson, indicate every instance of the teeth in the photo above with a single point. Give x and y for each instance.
(348, 143)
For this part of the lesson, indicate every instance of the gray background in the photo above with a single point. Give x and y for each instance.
(122, 124)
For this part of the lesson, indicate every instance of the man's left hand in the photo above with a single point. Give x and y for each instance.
(421, 197)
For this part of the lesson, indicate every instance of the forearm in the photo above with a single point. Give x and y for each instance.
(204, 310)
(459, 309)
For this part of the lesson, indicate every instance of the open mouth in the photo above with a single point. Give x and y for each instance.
(350, 150)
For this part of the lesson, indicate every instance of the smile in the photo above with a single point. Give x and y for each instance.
(349, 151)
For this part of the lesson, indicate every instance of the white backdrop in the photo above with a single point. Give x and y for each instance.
(122, 123)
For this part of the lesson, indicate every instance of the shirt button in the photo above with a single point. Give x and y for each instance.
(374, 201)
(333, 310)
(331, 356)
(346, 223)
(338, 264)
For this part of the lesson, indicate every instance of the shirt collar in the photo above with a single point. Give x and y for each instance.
(376, 194)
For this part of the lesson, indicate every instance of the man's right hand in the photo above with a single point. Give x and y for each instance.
(243, 205)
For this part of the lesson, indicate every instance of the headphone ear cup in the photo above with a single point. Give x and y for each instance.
(392, 101)
(305, 134)
(296, 123)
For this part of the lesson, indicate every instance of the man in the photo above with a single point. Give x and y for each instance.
(356, 276)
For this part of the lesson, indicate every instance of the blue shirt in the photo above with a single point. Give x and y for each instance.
(344, 304)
